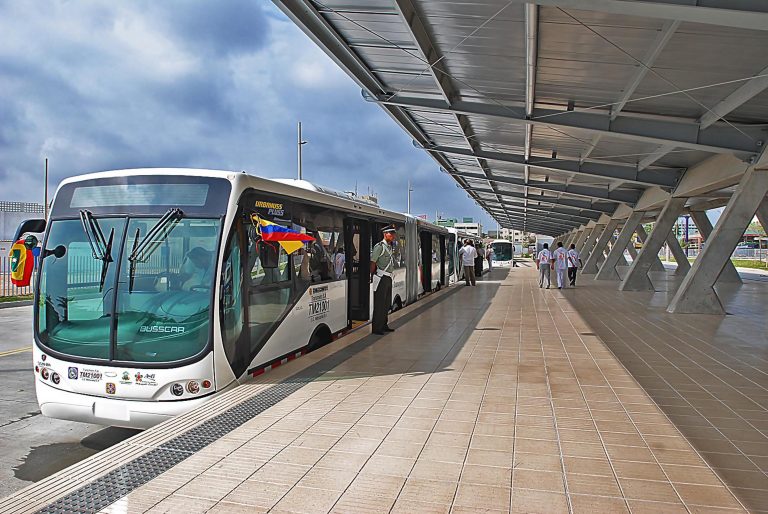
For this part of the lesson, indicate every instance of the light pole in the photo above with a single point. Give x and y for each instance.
(410, 189)
(299, 143)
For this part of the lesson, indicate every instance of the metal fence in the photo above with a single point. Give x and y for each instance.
(6, 286)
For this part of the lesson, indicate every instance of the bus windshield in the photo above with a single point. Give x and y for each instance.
(502, 251)
(151, 305)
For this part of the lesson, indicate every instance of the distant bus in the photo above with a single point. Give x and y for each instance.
(157, 288)
(503, 252)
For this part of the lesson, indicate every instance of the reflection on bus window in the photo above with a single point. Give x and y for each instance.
(319, 260)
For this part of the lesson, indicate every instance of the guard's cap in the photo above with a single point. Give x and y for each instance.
(389, 229)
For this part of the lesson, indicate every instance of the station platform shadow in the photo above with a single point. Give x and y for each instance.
(707, 373)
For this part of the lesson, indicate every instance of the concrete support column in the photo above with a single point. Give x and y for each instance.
(642, 235)
(637, 278)
(762, 214)
(580, 237)
(590, 243)
(571, 238)
(632, 251)
(594, 258)
(697, 294)
(683, 265)
(705, 228)
(608, 270)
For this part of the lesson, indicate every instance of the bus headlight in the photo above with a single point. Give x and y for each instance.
(44, 373)
(206, 384)
(177, 389)
(193, 387)
(55, 378)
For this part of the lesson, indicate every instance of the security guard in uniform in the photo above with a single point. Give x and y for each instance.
(382, 267)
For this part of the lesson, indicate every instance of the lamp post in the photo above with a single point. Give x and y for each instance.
(299, 143)
(410, 189)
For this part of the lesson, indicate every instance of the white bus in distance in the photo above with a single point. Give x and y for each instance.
(503, 252)
(156, 289)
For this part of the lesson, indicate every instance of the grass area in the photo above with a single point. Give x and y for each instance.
(749, 263)
(21, 298)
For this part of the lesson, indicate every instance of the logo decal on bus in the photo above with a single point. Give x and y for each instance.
(111, 388)
(319, 304)
(160, 329)
(72, 373)
(273, 208)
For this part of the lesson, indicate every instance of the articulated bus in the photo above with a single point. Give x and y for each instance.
(157, 290)
(503, 252)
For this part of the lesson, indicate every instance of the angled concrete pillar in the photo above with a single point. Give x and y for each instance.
(637, 278)
(683, 265)
(632, 250)
(642, 235)
(594, 258)
(580, 237)
(608, 269)
(614, 238)
(729, 273)
(585, 240)
(762, 214)
(696, 294)
(590, 242)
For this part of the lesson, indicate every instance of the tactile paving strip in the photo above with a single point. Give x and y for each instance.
(103, 492)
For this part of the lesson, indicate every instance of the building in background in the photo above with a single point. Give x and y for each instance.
(469, 226)
(11, 216)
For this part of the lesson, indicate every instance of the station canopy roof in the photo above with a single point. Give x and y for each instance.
(550, 115)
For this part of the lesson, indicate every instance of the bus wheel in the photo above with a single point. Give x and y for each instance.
(320, 337)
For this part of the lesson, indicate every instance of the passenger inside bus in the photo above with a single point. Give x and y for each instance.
(195, 271)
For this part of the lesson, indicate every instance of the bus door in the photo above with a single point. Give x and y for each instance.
(426, 260)
(357, 239)
(443, 258)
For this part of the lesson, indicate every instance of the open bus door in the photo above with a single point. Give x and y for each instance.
(357, 240)
(425, 238)
(443, 258)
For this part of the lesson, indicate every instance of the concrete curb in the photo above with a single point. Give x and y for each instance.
(22, 303)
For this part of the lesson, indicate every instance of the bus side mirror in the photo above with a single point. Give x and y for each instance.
(269, 254)
(34, 225)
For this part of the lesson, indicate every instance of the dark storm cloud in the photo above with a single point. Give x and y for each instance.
(97, 85)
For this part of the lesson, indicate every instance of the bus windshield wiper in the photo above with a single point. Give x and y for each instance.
(148, 244)
(171, 216)
(100, 247)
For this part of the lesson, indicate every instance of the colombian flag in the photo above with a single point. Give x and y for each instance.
(289, 239)
(22, 263)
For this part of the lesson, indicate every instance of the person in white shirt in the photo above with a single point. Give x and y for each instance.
(468, 255)
(339, 260)
(561, 265)
(574, 263)
(489, 255)
(544, 264)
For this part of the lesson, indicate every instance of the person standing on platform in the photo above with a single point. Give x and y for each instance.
(544, 264)
(382, 267)
(468, 255)
(489, 255)
(574, 263)
(560, 258)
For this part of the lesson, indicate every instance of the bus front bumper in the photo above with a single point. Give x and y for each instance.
(115, 412)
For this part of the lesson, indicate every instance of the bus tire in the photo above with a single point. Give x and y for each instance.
(320, 337)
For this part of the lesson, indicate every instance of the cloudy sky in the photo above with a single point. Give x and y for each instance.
(99, 85)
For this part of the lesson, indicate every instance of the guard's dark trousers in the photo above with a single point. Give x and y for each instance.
(572, 275)
(382, 301)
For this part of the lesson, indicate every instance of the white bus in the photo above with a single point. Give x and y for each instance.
(503, 252)
(157, 288)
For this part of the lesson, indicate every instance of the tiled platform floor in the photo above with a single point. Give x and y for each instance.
(499, 398)
(709, 374)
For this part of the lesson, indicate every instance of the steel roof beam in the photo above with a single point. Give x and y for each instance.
(436, 69)
(537, 226)
(568, 211)
(578, 204)
(548, 214)
(746, 92)
(681, 133)
(559, 227)
(538, 219)
(649, 59)
(549, 210)
(750, 14)
(628, 197)
(629, 174)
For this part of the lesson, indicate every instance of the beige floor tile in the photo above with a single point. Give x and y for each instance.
(539, 480)
(597, 485)
(489, 458)
(648, 490)
(257, 494)
(646, 507)
(640, 470)
(706, 496)
(182, 505)
(538, 462)
(327, 478)
(593, 504)
(487, 475)
(526, 501)
(306, 500)
(235, 508)
(482, 497)
(383, 465)
(431, 491)
(587, 466)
